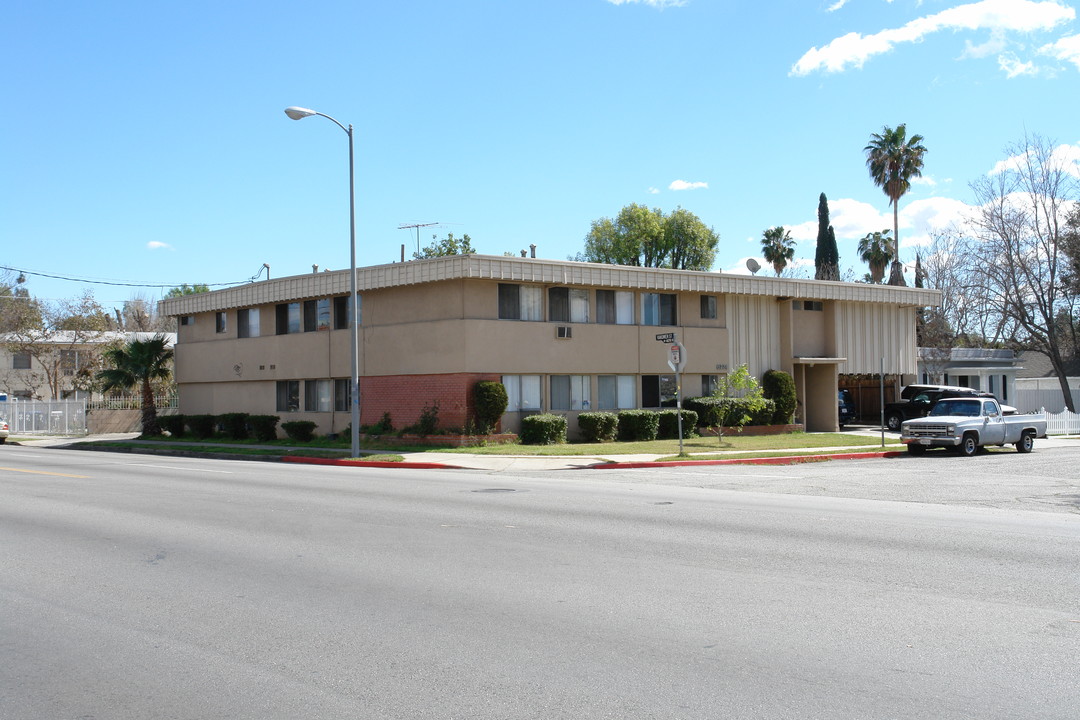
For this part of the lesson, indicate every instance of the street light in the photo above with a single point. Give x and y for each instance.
(299, 113)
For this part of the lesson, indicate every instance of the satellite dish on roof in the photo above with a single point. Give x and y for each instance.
(753, 266)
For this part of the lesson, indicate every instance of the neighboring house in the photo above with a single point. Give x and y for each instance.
(1038, 387)
(563, 337)
(984, 369)
(58, 366)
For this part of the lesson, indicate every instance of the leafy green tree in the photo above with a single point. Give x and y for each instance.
(876, 250)
(744, 396)
(777, 247)
(826, 256)
(644, 237)
(139, 363)
(449, 245)
(894, 159)
(186, 289)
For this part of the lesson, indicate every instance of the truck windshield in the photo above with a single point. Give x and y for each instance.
(961, 408)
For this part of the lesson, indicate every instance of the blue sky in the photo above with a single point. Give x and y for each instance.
(145, 143)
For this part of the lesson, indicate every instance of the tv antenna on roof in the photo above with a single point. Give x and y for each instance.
(418, 226)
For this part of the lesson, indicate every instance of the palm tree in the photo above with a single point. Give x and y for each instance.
(893, 159)
(876, 250)
(777, 247)
(140, 362)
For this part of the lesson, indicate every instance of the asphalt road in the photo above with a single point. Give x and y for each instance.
(145, 587)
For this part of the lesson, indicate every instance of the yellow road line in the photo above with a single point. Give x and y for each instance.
(42, 472)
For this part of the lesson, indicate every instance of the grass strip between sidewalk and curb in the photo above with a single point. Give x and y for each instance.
(750, 459)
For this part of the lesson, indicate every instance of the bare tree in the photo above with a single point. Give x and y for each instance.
(1015, 245)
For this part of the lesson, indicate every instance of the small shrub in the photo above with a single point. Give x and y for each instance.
(598, 426)
(669, 423)
(383, 427)
(709, 410)
(491, 401)
(778, 386)
(638, 425)
(235, 425)
(429, 419)
(202, 426)
(264, 427)
(765, 414)
(545, 429)
(299, 430)
(173, 424)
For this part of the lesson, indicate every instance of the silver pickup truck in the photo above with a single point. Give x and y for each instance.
(967, 424)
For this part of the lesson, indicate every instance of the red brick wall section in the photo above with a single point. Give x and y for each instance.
(406, 396)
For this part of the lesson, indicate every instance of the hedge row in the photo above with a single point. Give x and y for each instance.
(235, 426)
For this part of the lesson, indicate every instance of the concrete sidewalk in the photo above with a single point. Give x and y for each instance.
(529, 463)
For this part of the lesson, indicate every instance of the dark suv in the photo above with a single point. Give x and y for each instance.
(845, 407)
(917, 401)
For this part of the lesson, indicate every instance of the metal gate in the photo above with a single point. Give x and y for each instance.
(44, 417)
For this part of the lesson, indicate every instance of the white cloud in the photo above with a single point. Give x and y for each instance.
(156, 245)
(652, 3)
(1066, 156)
(654, 191)
(684, 185)
(836, 5)
(1067, 48)
(854, 49)
(926, 180)
(1013, 67)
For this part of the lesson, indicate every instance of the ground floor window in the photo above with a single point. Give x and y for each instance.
(288, 395)
(317, 396)
(570, 392)
(709, 384)
(616, 392)
(522, 392)
(342, 395)
(658, 391)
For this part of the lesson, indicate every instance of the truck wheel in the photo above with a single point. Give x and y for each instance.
(1027, 442)
(916, 449)
(893, 421)
(969, 446)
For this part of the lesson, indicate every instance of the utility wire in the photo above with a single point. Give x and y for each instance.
(116, 283)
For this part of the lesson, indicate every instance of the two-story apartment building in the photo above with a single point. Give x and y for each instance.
(563, 337)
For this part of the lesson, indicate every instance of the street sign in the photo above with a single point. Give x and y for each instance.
(666, 337)
(677, 359)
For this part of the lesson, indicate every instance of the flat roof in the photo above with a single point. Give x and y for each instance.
(547, 272)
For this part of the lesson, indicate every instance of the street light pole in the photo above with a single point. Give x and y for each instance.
(299, 113)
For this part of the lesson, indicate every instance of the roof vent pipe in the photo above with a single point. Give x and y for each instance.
(315, 268)
(532, 249)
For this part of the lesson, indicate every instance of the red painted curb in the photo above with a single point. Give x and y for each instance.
(786, 460)
(348, 462)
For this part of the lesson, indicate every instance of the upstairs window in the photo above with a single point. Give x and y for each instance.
(520, 302)
(316, 315)
(219, 322)
(568, 305)
(615, 307)
(342, 311)
(708, 307)
(20, 361)
(247, 323)
(288, 318)
(658, 309)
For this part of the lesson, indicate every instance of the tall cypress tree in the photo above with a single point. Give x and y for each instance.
(827, 256)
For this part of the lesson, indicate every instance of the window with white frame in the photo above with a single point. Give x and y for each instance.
(570, 392)
(616, 392)
(568, 305)
(317, 396)
(521, 302)
(615, 307)
(247, 322)
(522, 392)
(658, 309)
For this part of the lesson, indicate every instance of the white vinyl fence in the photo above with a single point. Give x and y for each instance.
(44, 417)
(1063, 423)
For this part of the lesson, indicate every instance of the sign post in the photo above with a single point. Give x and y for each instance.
(677, 362)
